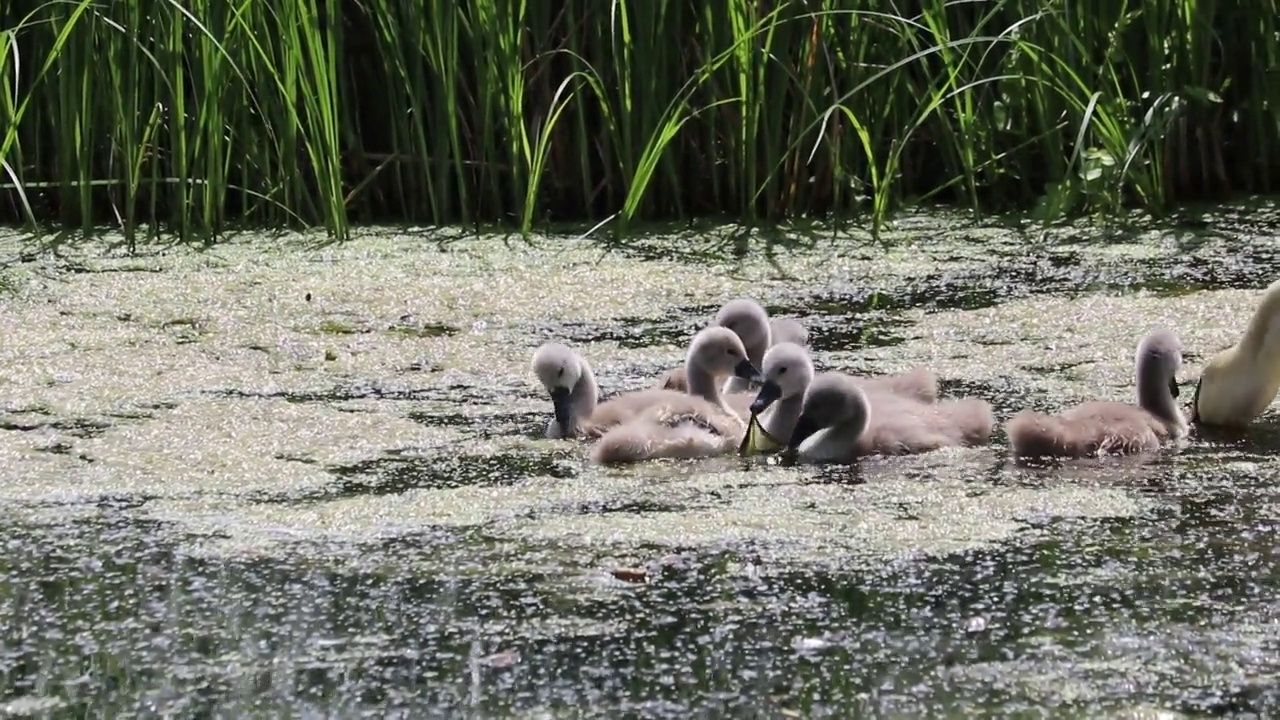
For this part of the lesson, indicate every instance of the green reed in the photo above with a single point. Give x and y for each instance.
(199, 115)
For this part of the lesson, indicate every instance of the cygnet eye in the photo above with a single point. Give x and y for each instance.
(782, 370)
(561, 373)
(731, 351)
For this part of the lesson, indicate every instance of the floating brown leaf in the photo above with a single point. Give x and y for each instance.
(631, 574)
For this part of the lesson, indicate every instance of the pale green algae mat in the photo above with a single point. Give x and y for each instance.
(268, 478)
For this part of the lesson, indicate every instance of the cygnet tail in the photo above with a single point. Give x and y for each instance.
(592, 431)
(1035, 434)
(972, 418)
(673, 379)
(918, 383)
(640, 441)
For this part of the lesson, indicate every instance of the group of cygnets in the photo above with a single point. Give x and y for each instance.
(748, 384)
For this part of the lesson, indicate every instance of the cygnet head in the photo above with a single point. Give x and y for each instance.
(719, 351)
(1157, 362)
(558, 369)
(830, 400)
(787, 372)
(746, 318)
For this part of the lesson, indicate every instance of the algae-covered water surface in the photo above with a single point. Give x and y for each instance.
(271, 479)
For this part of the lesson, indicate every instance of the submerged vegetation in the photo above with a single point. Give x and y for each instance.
(200, 114)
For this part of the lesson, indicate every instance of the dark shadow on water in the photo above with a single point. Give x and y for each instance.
(850, 475)
(849, 310)
(456, 393)
(637, 332)
(1035, 271)
(414, 327)
(842, 332)
(496, 425)
(59, 448)
(941, 291)
(443, 471)
(408, 325)
(477, 424)
(76, 427)
(860, 313)
(825, 333)
(399, 472)
(626, 507)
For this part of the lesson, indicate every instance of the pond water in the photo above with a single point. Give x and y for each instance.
(275, 477)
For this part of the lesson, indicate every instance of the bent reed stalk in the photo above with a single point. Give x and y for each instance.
(199, 115)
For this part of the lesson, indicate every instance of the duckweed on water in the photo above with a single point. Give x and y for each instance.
(215, 506)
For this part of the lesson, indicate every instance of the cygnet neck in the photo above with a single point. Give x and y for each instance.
(780, 419)
(1154, 395)
(584, 395)
(856, 422)
(703, 384)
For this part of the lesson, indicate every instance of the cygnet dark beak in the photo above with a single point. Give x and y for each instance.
(747, 371)
(769, 392)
